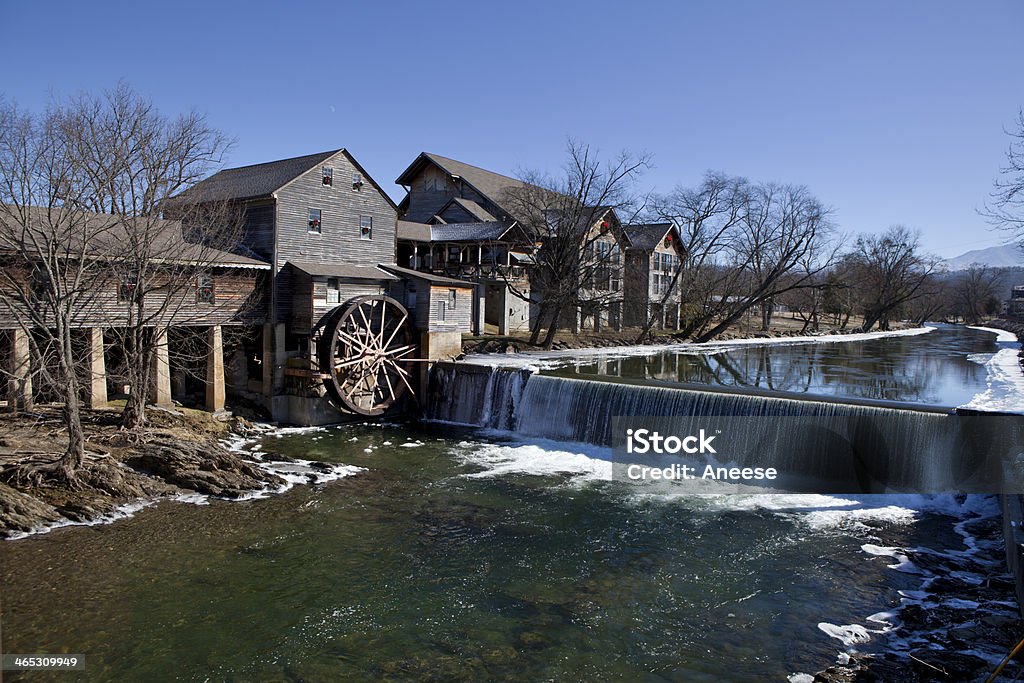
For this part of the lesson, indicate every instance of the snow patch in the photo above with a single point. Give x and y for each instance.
(539, 360)
(1002, 336)
(1005, 381)
(849, 635)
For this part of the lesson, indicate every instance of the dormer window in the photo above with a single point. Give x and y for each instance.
(357, 181)
(328, 176)
(314, 222)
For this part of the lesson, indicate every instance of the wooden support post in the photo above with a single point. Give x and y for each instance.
(267, 361)
(274, 356)
(19, 392)
(215, 370)
(160, 380)
(479, 308)
(503, 310)
(96, 383)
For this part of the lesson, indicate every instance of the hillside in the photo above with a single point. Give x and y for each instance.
(1005, 256)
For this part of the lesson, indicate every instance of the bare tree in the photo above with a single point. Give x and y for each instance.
(54, 256)
(1005, 210)
(135, 161)
(887, 272)
(708, 218)
(744, 246)
(573, 221)
(975, 293)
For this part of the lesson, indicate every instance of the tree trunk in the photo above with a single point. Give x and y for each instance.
(133, 418)
(74, 454)
(538, 323)
(767, 308)
(549, 339)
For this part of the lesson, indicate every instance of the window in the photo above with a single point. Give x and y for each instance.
(366, 227)
(451, 298)
(128, 287)
(454, 254)
(328, 176)
(204, 288)
(333, 294)
(314, 221)
(357, 181)
(39, 285)
(441, 310)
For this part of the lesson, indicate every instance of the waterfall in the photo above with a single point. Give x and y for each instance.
(918, 449)
(475, 395)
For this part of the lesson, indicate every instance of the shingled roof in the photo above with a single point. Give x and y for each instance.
(646, 236)
(490, 184)
(104, 236)
(253, 182)
(468, 232)
(262, 180)
(472, 208)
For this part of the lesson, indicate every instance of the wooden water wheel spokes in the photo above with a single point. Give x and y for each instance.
(365, 352)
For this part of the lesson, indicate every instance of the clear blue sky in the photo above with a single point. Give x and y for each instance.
(890, 112)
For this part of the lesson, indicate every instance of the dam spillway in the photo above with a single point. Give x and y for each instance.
(845, 445)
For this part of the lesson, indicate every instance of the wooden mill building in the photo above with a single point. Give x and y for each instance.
(316, 233)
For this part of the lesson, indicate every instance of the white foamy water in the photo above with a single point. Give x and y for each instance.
(125, 511)
(293, 472)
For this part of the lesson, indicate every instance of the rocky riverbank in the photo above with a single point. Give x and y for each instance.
(955, 621)
(181, 453)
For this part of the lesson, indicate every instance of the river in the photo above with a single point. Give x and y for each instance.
(465, 554)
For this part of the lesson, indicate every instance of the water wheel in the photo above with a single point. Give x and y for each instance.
(365, 352)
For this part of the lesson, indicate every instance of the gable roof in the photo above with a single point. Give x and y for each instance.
(472, 208)
(103, 236)
(262, 180)
(647, 236)
(488, 183)
(256, 181)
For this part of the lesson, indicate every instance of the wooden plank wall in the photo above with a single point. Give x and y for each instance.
(239, 298)
(340, 241)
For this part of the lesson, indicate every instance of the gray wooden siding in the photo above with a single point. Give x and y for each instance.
(239, 298)
(309, 299)
(258, 230)
(432, 188)
(339, 241)
(457, 214)
(457, 319)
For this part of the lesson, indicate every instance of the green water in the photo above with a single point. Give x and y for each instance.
(416, 570)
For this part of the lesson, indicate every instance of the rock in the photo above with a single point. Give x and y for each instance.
(204, 469)
(20, 512)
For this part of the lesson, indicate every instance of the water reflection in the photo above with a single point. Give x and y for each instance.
(932, 368)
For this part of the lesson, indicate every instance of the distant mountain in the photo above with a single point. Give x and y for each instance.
(1006, 256)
